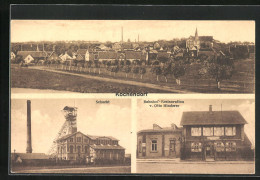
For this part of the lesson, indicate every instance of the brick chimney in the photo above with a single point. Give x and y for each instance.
(29, 134)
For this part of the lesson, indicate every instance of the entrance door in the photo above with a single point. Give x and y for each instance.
(172, 150)
(209, 148)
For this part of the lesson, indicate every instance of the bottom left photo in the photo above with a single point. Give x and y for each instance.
(70, 136)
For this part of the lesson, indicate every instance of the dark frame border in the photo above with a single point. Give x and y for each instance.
(120, 12)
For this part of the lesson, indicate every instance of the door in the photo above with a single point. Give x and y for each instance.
(172, 150)
(209, 148)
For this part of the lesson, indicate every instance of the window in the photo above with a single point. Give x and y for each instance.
(230, 146)
(219, 146)
(154, 145)
(140, 146)
(173, 145)
(86, 140)
(71, 149)
(78, 139)
(71, 140)
(79, 149)
(196, 131)
(207, 131)
(230, 131)
(195, 147)
(218, 131)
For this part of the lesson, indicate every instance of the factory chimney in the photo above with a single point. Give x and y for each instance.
(29, 134)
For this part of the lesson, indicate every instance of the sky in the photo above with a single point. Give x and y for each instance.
(112, 119)
(110, 30)
(164, 117)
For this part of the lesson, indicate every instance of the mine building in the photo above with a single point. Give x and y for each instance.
(214, 135)
(159, 142)
(80, 146)
(71, 144)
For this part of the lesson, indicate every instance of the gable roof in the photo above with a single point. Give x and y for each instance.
(34, 54)
(212, 118)
(163, 54)
(53, 56)
(107, 55)
(133, 55)
(82, 51)
(89, 136)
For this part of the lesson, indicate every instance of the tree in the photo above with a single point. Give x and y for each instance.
(127, 69)
(166, 70)
(157, 71)
(178, 70)
(114, 69)
(128, 62)
(18, 59)
(135, 70)
(220, 69)
(142, 71)
(89, 65)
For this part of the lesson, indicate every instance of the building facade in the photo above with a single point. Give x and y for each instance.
(94, 148)
(159, 142)
(214, 135)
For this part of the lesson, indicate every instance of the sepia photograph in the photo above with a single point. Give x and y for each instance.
(132, 56)
(196, 136)
(70, 136)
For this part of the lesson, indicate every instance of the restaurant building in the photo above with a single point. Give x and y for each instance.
(214, 135)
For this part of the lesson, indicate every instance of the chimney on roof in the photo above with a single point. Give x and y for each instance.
(29, 134)
(210, 108)
(174, 126)
(156, 127)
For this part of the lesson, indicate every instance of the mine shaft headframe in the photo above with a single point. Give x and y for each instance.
(70, 113)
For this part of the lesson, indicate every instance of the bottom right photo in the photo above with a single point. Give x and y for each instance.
(196, 136)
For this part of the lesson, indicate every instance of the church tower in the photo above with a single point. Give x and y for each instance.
(196, 40)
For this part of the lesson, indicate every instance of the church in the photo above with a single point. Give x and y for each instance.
(195, 44)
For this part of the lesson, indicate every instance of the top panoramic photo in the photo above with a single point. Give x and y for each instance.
(132, 56)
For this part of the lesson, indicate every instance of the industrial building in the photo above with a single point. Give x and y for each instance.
(71, 144)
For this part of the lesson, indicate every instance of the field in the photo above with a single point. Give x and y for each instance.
(36, 79)
(242, 80)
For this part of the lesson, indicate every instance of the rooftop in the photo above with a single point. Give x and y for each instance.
(212, 118)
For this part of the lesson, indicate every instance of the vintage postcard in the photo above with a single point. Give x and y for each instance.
(196, 136)
(132, 56)
(132, 96)
(71, 136)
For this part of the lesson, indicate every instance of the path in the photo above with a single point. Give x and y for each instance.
(148, 85)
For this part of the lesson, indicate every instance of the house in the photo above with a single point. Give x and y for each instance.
(214, 135)
(159, 142)
(107, 55)
(163, 55)
(54, 57)
(80, 146)
(12, 55)
(65, 56)
(29, 56)
(117, 47)
(127, 46)
(133, 55)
